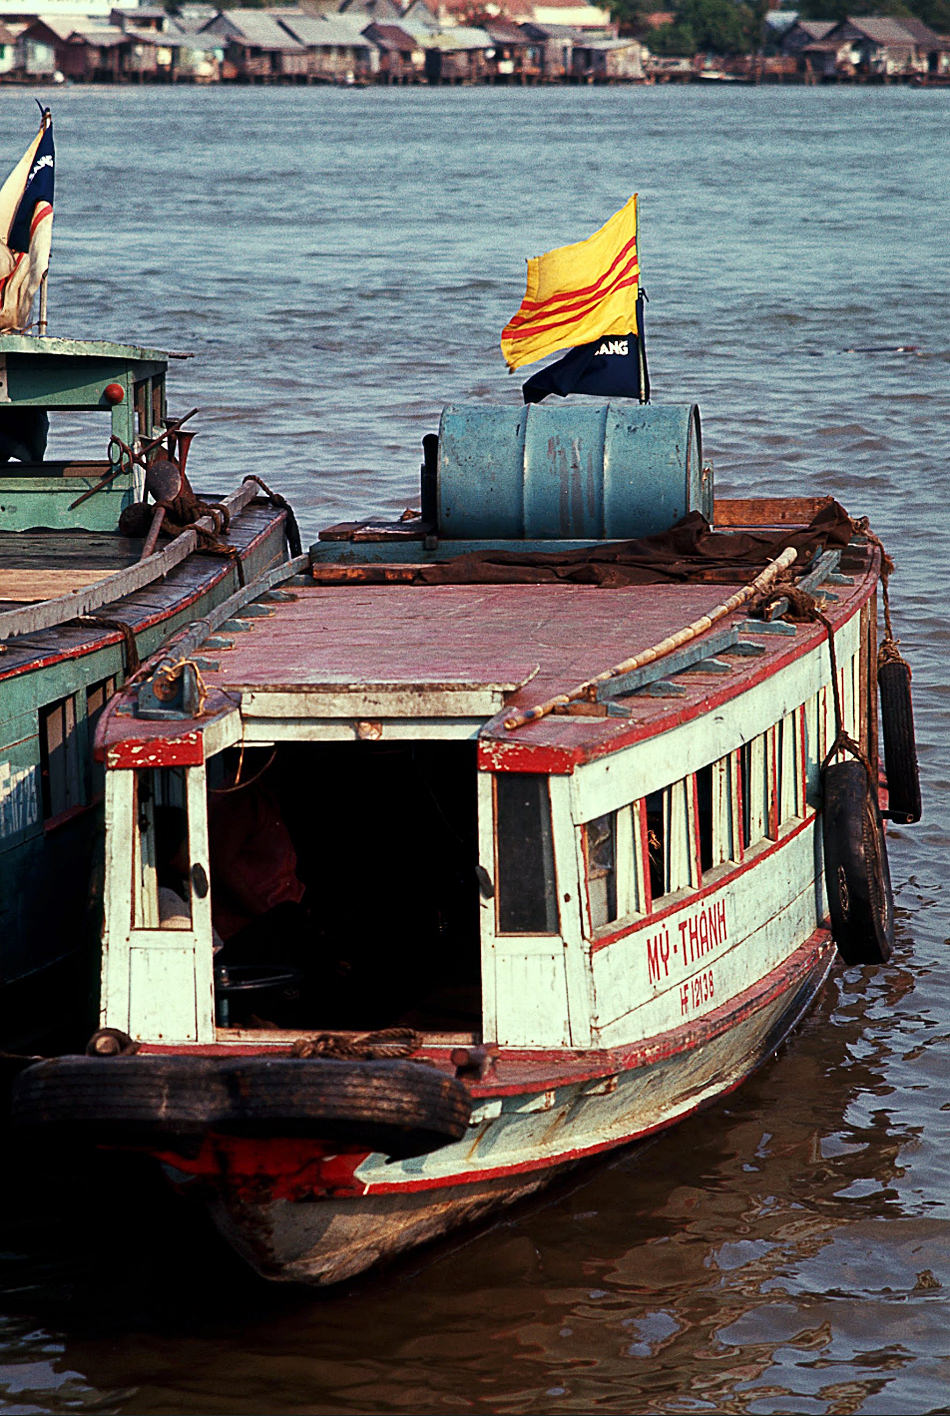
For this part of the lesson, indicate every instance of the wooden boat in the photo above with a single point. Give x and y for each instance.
(85, 593)
(497, 838)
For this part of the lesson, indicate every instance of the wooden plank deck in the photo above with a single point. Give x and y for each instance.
(37, 565)
(183, 585)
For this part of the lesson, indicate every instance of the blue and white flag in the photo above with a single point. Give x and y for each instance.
(26, 229)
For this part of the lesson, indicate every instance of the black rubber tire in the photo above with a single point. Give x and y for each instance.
(857, 878)
(399, 1107)
(900, 745)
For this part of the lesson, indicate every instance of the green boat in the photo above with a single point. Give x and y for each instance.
(102, 558)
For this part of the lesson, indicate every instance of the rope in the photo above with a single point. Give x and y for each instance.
(888, 652)
(293, 530)
(237, 785)
(132, 660)
(588, 688)
(843, 741)
(171, 672)
(805, 609)
(371, 1046)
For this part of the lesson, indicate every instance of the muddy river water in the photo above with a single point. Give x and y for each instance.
(341, 264)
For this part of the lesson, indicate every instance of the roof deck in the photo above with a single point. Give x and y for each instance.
(381, 660)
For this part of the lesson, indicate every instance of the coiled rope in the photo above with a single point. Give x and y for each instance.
(370, 1046)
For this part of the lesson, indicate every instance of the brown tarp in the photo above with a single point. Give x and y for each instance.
(689, 551)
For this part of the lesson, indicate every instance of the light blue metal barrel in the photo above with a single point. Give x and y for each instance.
(610, 471)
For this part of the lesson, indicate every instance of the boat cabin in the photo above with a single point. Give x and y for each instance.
(84, 595)
(364, 798)
(57, 395)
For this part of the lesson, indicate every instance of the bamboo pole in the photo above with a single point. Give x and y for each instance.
(664, 647)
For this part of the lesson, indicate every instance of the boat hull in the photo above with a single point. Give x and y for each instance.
(51, 852)
(315, 1215)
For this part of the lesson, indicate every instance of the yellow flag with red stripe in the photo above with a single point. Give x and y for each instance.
(578, 293)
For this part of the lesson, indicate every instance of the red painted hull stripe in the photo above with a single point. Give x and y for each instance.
(569, 1157)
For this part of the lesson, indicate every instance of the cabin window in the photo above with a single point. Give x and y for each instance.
(789, 759)
(96, 699)
(754, 780)
(817, 742)
(614, 854)
(72, 433)
(656, 844)
(601, 836)
(851, 697)
(527, 888)
(845, 698)
(682, 855)
(705, 817)
(145, 419)
(727, 834)
(60, 758)
(672, 839)
(161, 867)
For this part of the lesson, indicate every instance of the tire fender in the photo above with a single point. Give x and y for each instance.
(857, 879)
(900, 747)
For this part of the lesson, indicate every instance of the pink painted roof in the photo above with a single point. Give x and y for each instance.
(554, 635)
(537, 641)
(516, 645)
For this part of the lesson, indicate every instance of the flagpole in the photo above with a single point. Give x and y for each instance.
(644, 372)
(46, 121)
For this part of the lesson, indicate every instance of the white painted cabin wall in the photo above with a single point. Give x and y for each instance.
(156, 983)
(542, 991)
(769, 912)
(779, 899)
(536, 989)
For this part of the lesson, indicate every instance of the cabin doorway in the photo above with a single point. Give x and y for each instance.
(353, 867)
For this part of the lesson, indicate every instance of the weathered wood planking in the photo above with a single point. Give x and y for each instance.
(62, 549)
(120, 582)
(27, 586)
(766, 511)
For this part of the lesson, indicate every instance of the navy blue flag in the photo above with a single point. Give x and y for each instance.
(38, 188)
(608, 368)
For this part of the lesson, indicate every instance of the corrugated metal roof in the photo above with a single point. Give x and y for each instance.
(260, 29)
(461, 37)
(551, 31)
(178, 39)
(382, 11)
(319, 30)
(504, 31)
(419, 30)
(108, 37)
(922, 34)
(392, 37)
(608, 44)
(882, 29)
(817, 28)
(64, 25)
